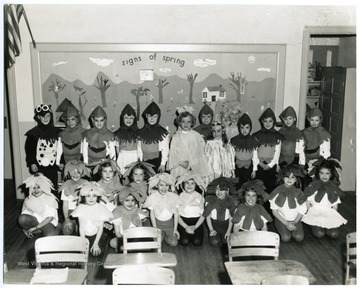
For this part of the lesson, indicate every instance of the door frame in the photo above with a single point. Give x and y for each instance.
(308, 31)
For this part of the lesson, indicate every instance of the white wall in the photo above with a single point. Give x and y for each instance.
(208, 24)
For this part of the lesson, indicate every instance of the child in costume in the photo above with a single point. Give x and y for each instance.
(92, 215)
(110, 181)
(246, 154)
(292, 146)
(219, 153)
(231, 112)
(269, 149)
(288, 204)
(74, 173)
(218, 212)
(154, 138)
(139, 173)
(206, 115)
(69, 146)
(163, 205)
(126, 215)
(251, 215)
(127, 144)
(41, 145)
(191, 209)
(323, 197)
(39, 213)
(187, 147)
(317, 139)
(98, 141)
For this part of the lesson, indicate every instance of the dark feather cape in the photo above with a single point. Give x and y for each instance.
(289, 193)
(268, 137)
(125, 133)
(252, 214)
(213, 202)
(291, 134)
(244, 143)
(315, 136)
(152, 133)
(330, 188)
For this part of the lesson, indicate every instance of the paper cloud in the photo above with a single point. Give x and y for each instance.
(204, 62)
(165, 70)
(101, 62)
(264, 69)
(59, 63)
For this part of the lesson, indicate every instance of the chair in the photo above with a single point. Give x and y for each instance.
(285, 280)
(143, 275)
(350, 259)
(64, 251)
(254, 243)
(142, 239)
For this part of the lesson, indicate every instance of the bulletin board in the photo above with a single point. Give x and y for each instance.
(172, 75)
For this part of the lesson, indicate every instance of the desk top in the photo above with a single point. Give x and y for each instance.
(23, 276)
(252, 272)
(150, 259)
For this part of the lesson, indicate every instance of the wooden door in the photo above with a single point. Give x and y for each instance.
(332, 105)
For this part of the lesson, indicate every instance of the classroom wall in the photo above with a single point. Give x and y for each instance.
(207, 24)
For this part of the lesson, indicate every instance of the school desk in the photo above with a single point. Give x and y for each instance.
(252, 272)
(115, 260)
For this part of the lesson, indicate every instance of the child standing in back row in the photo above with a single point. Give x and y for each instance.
(41, 145)
(219, 153)
(154, 138)
(98, 141)
(127, 142)
(206, 116)
(292, 146)
(246, 154)
(269, 149)
(187, 147)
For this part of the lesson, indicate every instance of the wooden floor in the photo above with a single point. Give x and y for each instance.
(197, 265)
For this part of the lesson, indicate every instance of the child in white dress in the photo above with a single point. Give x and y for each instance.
(323, 197)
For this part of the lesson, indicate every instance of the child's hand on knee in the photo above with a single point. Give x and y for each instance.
(212, 233)
(95, 250)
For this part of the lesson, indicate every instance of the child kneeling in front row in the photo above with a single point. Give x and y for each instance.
(39, 213)
(163, 204)
(92, 215)
(218, 212)
(126, 215)
(251, 215)
(288, 204)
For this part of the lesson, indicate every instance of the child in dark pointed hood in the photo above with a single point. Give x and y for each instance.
(206, 116)
(127, 143)
(69, 147)
(292, 146)
(251, 215)
(154, 138)
(41, 145)
(287, 203)
(269, 149)
(98, 141)
(246, 151)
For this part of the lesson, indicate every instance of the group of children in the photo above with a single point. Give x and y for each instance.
(217, 172)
